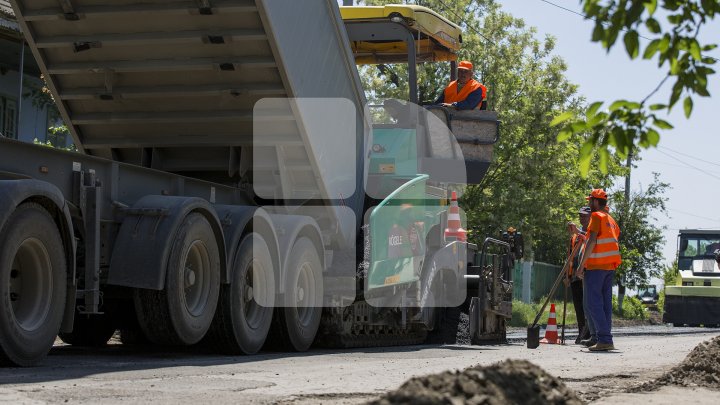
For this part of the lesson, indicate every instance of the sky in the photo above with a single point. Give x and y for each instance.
(694, 199)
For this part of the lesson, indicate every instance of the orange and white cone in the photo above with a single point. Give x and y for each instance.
(454, 230)
(551, 332)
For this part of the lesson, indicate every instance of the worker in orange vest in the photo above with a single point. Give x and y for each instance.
(598, 264)
(465, 93)
(585, 326)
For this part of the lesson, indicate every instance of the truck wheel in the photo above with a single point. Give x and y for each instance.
(33, 273)
(444, 321)
(92, 331)
(245, 307)
(181, 313)
(297, 322)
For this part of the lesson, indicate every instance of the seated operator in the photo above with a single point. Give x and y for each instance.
(465, 93)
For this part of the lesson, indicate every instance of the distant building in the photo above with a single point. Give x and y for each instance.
(23, 120)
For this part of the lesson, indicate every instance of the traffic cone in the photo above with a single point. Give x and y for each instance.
(454, 230)
(551, 333)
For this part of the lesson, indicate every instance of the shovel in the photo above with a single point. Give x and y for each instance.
(533, 331)
(562, 336)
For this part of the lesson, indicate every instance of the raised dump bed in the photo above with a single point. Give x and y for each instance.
(172, 85)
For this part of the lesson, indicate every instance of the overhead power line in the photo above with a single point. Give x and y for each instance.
(690, 156)
(695, 215)
(661, 162)
(689, 165)
(459, 18)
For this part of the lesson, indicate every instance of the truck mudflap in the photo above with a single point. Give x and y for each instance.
(142, 246)
(691, 310)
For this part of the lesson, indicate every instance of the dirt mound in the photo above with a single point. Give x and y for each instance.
(700, 368)
(507, 382)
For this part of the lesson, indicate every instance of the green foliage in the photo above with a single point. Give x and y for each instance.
(626, 125)
(661, 302)
(42, 98)
(670, 276)
(632, 308)
(641, 241)
(57, 139)
(523, 314)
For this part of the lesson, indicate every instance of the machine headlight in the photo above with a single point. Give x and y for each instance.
(687, 283)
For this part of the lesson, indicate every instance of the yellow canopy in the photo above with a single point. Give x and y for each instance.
(437, 39)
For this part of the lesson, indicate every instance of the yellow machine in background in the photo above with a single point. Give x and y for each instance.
(695, 299)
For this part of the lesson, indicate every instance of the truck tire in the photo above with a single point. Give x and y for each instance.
(33, 278)
(444, 321)
(297, 320)
(90, 331)
(181, 314)
(245, 307)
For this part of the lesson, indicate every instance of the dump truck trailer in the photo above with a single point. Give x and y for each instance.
(230, 189)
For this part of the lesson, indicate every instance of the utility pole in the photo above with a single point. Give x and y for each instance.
(621, 282)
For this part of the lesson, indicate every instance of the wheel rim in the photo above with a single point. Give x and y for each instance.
(305, 293)
(196, 276)
(31, 284)
(252, 291)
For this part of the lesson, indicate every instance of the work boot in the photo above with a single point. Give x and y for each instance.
(583, 334)
(589, 342)
(601, 347)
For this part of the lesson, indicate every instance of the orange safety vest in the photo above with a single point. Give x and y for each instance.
(452, 95)
(606, 253)
(573, 241)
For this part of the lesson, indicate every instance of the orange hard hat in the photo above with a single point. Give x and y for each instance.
(597, 193)
(464, 64)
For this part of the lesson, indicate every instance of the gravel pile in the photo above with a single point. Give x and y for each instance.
(700, 368)
(507, 382)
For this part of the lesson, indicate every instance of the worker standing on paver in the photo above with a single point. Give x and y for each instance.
(597, 267)
(585, 328)
(465, 93)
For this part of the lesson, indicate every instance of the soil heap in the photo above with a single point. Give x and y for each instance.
(507, 382)
(700, 368)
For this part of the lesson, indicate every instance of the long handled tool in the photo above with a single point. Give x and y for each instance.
(562, 335)
(533, 331)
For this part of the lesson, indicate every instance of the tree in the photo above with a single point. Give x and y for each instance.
(533, 182)
(625, 125)
(641, 241)
(42, 98)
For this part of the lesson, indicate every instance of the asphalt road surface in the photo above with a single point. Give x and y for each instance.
(118, 374)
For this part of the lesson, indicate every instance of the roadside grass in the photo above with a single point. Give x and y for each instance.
(523, 314)
(633, 308)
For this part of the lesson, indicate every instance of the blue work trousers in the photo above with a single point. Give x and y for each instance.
(586, 307)
(599, 287)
